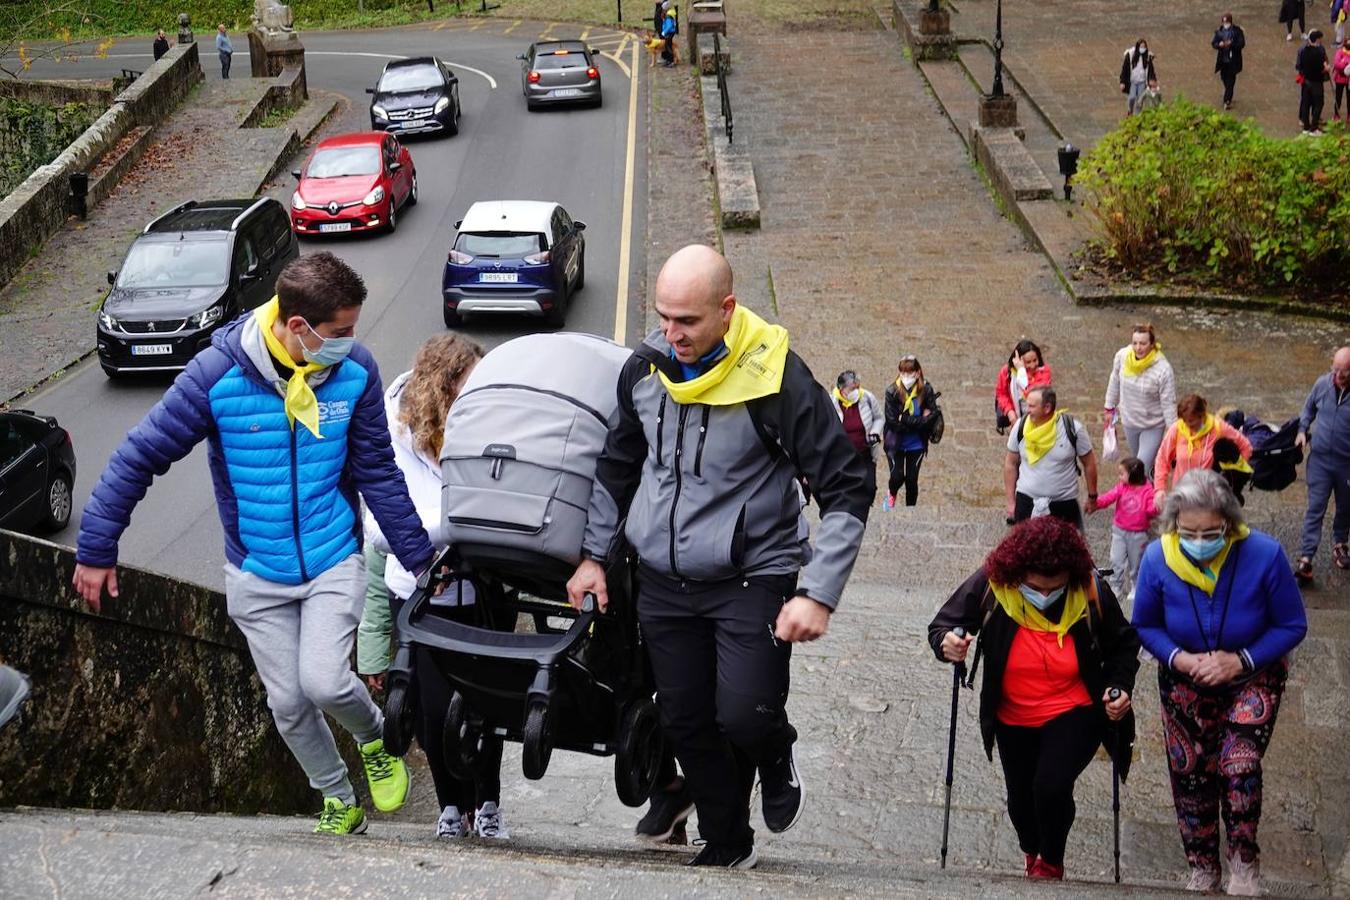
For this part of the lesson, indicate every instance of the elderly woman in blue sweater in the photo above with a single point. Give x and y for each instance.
(1216, 604)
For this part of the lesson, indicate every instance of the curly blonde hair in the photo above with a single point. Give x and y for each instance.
(438, 373)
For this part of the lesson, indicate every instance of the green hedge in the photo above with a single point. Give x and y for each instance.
(1190, 188)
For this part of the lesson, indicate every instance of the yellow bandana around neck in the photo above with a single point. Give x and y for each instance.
(301, 404)
(1136, 367)
(844, 401)
(1189, 572)
(910, 395)
(1038, 439)
(1192, 440)
(1028, 616)
(752, 368)
(1240, 466)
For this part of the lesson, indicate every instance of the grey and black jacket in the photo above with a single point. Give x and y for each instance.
(707, 491)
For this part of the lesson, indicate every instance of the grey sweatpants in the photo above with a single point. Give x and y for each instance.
(1127, 548)
(301, 637)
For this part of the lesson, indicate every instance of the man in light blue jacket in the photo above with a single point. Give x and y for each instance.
(1328, 470)
(225, 49)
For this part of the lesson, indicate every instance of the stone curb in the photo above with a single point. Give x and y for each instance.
(734, 175)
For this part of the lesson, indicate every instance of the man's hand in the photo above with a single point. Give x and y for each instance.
(1117, 708)
(954, 648)
(1219, 667)
(89, 582)
(589, 578)
(1301, 441)
(802, 619)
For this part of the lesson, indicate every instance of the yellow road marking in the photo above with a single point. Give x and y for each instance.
(477, 25)
(441, 24)
(585, 32)
(615, 56)
(626, 220)
(514, 26)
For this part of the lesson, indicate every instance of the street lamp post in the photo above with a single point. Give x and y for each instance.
(998, 51)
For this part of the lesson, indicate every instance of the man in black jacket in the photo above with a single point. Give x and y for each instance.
(1228, 42)
(1313, 70)
(717, 421)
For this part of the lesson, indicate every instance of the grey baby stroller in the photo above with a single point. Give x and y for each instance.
(518, 461)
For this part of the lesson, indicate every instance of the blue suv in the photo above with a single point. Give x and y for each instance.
(514, 256)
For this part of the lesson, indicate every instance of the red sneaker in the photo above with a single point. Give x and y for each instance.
(1031, 863)
(1043, 869)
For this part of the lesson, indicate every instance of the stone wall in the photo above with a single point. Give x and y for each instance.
(57, 93)
(153, 704)
(36, 209)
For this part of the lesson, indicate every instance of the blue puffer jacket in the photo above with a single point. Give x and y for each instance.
(287, 500)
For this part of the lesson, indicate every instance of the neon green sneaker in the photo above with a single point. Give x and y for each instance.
(339, 818)
(386, 775)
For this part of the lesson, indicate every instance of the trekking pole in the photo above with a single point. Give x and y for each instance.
(958, 673)
(1114, 694)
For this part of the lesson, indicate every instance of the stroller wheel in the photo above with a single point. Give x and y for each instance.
(456, 737)
(537, 745)
(639, 754)
(398, 720)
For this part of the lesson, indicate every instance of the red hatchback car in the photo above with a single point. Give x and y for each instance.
(354, 182)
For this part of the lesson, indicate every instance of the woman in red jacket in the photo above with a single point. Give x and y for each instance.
(1026, 369)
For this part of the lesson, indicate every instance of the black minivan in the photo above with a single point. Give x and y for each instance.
(191, 270)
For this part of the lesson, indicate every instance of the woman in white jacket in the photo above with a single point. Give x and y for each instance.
(416, 404)
(1142, 394)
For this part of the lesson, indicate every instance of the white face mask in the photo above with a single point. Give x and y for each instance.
(853, 395)
(909, 380)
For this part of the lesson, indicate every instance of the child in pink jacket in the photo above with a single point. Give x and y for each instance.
(1340, 77)
(1135, 508)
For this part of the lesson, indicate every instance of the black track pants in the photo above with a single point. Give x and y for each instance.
(721, 682)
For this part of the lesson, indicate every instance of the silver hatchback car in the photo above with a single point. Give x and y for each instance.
(559, 72)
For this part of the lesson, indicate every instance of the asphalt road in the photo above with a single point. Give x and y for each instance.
(577, 157)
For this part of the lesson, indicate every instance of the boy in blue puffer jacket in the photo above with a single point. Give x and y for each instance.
(293, 411)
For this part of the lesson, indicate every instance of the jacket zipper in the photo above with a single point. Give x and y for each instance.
(702, 435)
(679, 479)
(660, 419)
(295, 508)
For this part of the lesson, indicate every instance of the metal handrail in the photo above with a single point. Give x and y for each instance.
(722, 86)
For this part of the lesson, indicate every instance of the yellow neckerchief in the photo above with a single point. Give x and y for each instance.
(1240, 466)
(752, 368)
(1038, 439)
(1028, 616)
(1193, 439)
(1189, 572)
(910, 394)
(1136, 367)
(844, 401)
(301, 404)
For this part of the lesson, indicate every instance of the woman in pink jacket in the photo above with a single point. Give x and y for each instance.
(1189, 443)
(1340, 76)
(1026, 369)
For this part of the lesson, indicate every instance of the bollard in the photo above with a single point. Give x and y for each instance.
(1068, 166)
(184, 29)
(79, 193)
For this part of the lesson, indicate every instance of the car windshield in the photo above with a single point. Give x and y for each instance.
(410, 78)
(500, 243)
(569, 60)
(159, 264)
(339, 162)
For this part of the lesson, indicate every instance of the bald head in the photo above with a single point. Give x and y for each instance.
(693, 296)
(1340, 368)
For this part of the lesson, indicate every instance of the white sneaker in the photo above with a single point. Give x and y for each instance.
(488, 823)
(1203, 881)
(450, 825)
(1244, 878)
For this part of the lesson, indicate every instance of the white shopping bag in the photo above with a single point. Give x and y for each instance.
(1110, 448)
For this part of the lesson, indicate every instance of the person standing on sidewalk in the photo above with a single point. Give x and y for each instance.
(1026, 368)
(1292, 11)
(1136, 71)
(293, 411)
(1133, 499)
(1040, 471)
(1228, 42)
(1142, 393)
(1218, 609)
(1313, 70)
(718, 419)
(910, 404)
(1055, 644)
(1340, 77)
(1328, 471)
(161, 45)
(859, 412)
(225, 49)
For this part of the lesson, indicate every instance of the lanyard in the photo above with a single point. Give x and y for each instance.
(1228, 596)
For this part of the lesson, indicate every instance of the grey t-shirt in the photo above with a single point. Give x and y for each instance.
(1055, 475)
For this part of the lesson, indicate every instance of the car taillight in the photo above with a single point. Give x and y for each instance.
(533, 77)
(460, 259)
(537, 259)
(592, 72)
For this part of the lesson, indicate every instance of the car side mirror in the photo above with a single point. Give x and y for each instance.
(579, 226)
(370, 90)
(112, 278)
(295, 173)
(395, 166)
(459, 223)
(521, 57)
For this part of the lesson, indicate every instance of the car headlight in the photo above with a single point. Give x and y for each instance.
(107, 321)
(373, 197)
(441, 105)
(297, 202)
(379, 112)
(207, 317)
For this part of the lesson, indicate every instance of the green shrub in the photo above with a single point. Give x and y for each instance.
(32, 135)
(1188, 187)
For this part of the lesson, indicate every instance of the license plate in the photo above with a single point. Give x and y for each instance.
(407, 124)
(567, 92)
(151, 349)
(499, 277)
(336, 226)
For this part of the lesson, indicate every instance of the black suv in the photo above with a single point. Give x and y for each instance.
(194, 268)
(37, 472)
(415, 96)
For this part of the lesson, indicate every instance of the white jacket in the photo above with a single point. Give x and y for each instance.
(1149, 401)
(873, 419)
(423, 476)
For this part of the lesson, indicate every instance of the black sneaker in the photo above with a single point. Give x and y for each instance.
(726, 857)
(781, 792)
(666, 815)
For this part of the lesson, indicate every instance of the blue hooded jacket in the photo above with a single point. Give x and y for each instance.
(287, 500)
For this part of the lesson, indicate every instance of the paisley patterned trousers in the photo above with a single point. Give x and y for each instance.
(1215, 741)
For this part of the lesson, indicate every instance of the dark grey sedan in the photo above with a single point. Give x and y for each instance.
(559, 72)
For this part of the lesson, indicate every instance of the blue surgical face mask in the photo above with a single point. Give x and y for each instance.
(1039, 600)
(331, 350)
(1202, 551)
